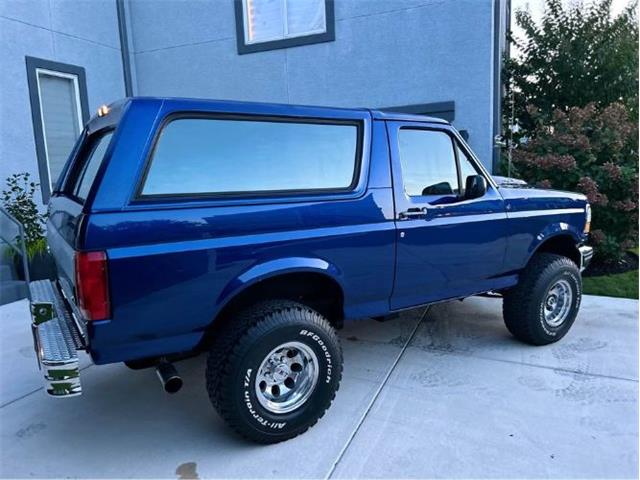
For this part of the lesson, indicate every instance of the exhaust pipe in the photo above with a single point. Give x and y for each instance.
(169, 377)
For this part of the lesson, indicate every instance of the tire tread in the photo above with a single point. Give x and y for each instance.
(255, 322)
(519, 304)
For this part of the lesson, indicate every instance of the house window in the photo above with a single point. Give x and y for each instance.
(59, 109)
(61, 117)
(271, 24)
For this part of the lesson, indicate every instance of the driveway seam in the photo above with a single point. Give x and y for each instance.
(461, 353)
(11, 402)
(375, 396)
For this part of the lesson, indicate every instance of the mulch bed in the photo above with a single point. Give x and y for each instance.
(627, 263)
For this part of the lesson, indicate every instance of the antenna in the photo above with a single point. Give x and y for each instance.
(511, 128)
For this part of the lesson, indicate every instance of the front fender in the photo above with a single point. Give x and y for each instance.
(551, 231)
(272, 268)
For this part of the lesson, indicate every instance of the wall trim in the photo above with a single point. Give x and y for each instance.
(124, 48)
(243, 48)
(33, 64)
(501, 21)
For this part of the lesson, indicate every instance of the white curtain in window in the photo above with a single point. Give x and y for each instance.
(59, 107)
(264, 20)
(268, 20)
(305, 16)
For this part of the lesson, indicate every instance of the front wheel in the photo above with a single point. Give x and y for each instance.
(542, 307)
(275, 371)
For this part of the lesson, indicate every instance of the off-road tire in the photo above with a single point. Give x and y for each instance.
(240, 347)
(523, 305)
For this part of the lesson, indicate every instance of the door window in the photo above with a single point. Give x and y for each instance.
(428, 162)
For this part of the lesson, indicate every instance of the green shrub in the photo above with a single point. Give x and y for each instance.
(571, 110)
(577, 53)
(594, 152)
(18, 200)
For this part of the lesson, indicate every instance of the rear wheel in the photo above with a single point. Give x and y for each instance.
(274, 371)
(543, 306)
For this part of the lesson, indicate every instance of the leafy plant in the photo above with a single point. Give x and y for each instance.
(572, 109)
(18, 200)
(594, 152)
(575, 56)
(36, 248)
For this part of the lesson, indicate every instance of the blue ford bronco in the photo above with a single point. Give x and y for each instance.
(253, 231)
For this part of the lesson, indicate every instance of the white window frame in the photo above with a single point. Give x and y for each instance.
(246, 4)
(76, 89)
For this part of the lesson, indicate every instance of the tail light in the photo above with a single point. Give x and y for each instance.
(92, 285)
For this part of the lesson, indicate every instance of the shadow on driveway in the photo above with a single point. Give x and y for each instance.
(465, 400)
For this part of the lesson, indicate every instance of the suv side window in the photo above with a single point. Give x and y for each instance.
(428, 162)
(237, 156)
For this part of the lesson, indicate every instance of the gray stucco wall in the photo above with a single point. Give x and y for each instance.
(386, 53)
(82, 33)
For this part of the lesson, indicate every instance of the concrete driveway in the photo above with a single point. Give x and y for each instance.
(441, 393)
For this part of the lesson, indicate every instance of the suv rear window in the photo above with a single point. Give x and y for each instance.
(89, 169)
(208, 156)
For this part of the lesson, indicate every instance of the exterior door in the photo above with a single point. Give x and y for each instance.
(446, 246)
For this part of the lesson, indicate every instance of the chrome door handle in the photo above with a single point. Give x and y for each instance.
(413, 214)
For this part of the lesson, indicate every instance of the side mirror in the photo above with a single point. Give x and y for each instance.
(475, 187)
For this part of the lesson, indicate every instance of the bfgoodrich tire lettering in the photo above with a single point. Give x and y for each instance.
(527, 308)
(235, 360)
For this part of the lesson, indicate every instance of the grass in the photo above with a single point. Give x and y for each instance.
(624, 285)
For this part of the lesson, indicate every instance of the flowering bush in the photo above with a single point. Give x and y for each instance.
(593, 151)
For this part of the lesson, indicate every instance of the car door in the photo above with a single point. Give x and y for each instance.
(447, 246)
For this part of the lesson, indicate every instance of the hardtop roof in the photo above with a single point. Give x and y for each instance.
(199, 103)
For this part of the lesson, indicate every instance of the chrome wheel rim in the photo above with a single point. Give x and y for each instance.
(287, 377)
(557, 303)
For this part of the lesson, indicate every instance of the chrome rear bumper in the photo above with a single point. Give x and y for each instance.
(586, 254)
(56, 339)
